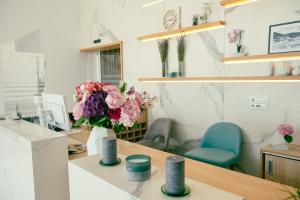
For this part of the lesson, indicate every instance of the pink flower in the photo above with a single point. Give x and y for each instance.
(285, 129)
(234, 35)
(138, 97)
(85, 89)
(130, 113)
(115, 100)
(78, 111)
(110, 89)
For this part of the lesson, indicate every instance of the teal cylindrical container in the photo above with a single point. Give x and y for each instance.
(138, 167)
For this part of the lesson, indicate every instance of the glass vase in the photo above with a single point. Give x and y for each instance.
(181, 70)
(165, 69)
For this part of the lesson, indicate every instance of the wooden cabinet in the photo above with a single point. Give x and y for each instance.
(281, 166)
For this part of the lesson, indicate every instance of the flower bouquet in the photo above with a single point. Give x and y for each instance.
(108, 106)
(282, 137)
(286, 131)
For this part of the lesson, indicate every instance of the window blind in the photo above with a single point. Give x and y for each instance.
(110, 65)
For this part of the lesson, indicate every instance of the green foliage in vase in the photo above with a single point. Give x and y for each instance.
(239, 48)
(195, 19)
(180, 48)
(288, 138)
(163, 46)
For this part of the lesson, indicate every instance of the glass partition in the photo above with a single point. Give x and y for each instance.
(22, 75)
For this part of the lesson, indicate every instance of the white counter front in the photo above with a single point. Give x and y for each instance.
(33, 162)
(89, 180)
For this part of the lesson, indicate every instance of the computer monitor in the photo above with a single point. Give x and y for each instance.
(55, 105)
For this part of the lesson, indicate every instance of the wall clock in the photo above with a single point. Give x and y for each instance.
(171, 19)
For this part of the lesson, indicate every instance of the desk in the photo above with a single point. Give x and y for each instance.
(33, 162)
(78, 138)
(250, 187)
(281, 165)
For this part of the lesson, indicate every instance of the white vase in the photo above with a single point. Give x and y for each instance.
(282, 69)
(278, 142)
(94, 143)
(296, 71)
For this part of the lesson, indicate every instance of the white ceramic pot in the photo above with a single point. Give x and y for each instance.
(282, 69)
(296, 71)
(278, 142)
(94, 143)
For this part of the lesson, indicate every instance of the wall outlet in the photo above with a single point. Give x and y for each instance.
(259, 103)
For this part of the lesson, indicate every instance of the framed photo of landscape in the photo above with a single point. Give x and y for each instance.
(284, 37)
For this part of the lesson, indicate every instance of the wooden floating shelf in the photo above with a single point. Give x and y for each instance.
(262, 58)
(104, 47)
(183, 31)
(241, 79)
(233, 3)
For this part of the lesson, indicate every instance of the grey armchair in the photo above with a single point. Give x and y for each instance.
(157, 136)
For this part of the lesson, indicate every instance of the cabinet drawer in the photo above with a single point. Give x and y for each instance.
(283, 170)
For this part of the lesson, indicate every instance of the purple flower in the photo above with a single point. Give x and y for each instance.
(131, 91)
(95, 105)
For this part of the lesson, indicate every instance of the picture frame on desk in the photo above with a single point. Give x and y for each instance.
(284, 37)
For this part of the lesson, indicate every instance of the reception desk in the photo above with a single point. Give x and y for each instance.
(33, 162)
(34, 166)
(89, 180)
(242, 185)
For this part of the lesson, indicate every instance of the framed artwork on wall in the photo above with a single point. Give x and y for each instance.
(284, 37)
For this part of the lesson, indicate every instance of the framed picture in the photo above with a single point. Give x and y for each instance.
(284, 37)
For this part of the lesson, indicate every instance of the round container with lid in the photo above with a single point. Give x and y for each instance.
(138, 167)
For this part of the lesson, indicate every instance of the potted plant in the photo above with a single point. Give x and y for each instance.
(195, 19)
(181, 54)
(235, 36)
(103, 107)
(283, 136)
(163, 46)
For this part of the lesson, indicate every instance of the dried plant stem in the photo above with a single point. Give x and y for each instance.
(181, 48)
(163, 46)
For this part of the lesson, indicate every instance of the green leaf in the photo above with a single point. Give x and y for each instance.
(102, 122)
(79, 122)
(122, 87)
(239, 48)
(136, 126)
(288, 138)
(118, 128)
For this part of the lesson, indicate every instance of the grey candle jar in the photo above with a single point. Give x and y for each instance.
(138, 167)
(175, 175)
(109, 150)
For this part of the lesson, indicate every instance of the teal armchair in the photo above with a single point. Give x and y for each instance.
(220, 146)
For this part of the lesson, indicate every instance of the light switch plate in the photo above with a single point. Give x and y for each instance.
(259, 103)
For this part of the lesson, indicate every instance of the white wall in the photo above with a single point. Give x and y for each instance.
(194, 106)
(59, 23)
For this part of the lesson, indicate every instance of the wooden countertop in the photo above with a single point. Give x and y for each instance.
(250, 187)
(293, 151)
